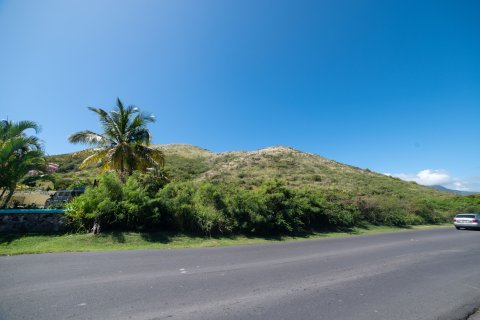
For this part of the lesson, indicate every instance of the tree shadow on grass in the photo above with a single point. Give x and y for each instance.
(9, 238)
(279, 237)
(158, 236)
(117, 236)
(166, 237)
(365, 226)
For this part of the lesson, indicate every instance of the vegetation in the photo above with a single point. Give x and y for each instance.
(276, 190)
(272, 208)
(19, 154)
(231, 197)
(249, 168)
(273, 191)
(123, 145)
(69, 172)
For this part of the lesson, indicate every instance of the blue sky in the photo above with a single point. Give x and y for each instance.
(393, 86)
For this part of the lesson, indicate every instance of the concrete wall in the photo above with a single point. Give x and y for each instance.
(31, 222)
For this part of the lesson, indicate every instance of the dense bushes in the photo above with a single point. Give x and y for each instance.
(112, 203)
(271, 208)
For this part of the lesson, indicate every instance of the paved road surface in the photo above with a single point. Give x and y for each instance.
(433, 274)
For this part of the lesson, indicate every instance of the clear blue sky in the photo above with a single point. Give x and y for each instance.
(393, 86)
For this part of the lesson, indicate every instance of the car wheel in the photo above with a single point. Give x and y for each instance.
(458, 228)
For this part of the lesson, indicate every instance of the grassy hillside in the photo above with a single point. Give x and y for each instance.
(68, 171)
(250, 168)
(276, 190)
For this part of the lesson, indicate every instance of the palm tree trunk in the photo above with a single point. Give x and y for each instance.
(96, 227)
(9, 196)
(122, 171)
(3, 192)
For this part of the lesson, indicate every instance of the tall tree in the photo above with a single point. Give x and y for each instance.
(19, 154)
(123, 146)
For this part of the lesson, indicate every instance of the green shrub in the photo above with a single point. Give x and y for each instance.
(100, 204)
(175, 203)
(272, 207)
(280, 210)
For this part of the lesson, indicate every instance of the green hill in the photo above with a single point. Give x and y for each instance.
(276, 189)
(250, 168)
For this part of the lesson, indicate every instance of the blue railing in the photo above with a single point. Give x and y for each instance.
(32, 211)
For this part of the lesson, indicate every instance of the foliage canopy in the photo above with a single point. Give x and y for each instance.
(19, 154)
(123, 146)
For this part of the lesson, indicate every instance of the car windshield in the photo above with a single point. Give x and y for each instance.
(465, 216)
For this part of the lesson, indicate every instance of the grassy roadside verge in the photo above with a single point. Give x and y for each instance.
(31, 243)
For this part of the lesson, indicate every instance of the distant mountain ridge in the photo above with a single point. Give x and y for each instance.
(459, 192)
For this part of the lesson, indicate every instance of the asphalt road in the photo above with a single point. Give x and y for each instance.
(433, 274)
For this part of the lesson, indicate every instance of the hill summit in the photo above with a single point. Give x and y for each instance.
(296, 168)
(249, 168)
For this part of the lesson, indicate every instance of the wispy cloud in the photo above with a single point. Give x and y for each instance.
(430, 177)
(426, 177)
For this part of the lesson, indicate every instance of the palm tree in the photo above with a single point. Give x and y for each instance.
(10, 129)
(19, 154)
(123, 145)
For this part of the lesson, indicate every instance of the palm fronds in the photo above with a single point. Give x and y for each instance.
(19, 154)
(123, 144)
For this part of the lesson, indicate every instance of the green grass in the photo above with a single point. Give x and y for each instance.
(247, 168)
(11, 244)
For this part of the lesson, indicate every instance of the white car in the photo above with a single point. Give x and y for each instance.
(467, 221)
